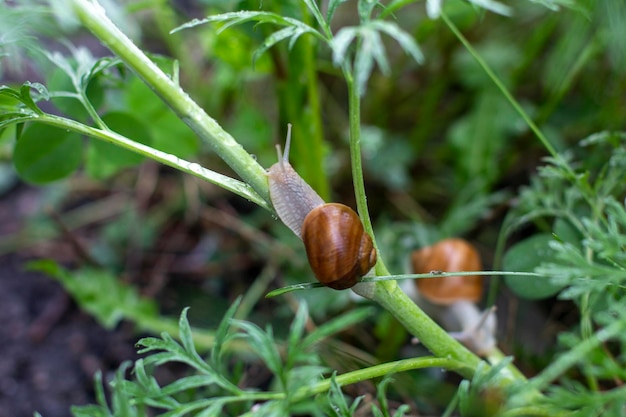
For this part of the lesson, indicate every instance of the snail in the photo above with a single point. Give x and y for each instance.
(337, 246)
(452, 300)
(449, 255)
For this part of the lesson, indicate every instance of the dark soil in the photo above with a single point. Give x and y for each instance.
(49, 349)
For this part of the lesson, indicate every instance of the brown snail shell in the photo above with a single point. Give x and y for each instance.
(337, 246)
(448, 255)
(338, 249)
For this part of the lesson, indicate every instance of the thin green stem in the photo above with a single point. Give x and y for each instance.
(400, 277)
(441, 274)
(387, 293)
(391, 297)
(393, 6)
(485, 67)
(354, 104)
(577, 354)
(92, 16)
(192, 168)
(535, 410)
(82, 97)
(384, 369)
(314, 113)
(558, 158)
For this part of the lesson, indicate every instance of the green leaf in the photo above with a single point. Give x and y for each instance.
(147, 382)
(336, 402)
(336, 325)
(364, 61)
(493, 6)
(296, 330)
(378, 51)
(341, 42)
(564, 231)
(294, 287)
(121, 401)
(332, 7)
(315, 11)
(100, 410)
(105, 159)
(273, 39)
(525, 256)
(371, 49)
(365, 8)
(24, 95)
(222, 333)
(184, 332)
(188, 383)
(405, 40)
(263, 343)
(293, 27)
(100, 293)
(80, 66)
(44, 154)
(433, 8)
(237, 18)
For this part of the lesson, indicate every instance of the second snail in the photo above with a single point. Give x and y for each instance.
(337, 246)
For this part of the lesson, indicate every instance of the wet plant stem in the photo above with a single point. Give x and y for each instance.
(240, 188)
(387, 293)
(93, 17)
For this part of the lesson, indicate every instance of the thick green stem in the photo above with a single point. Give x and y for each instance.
(390, 296)
(92, 16)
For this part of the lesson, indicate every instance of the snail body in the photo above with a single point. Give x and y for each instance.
(337, 246)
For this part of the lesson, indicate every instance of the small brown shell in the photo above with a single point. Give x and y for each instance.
(338, 248)
(449, 255)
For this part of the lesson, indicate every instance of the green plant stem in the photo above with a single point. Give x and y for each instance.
(485, 67)
(359, 375)
(578, 353)
(387, 293)
(354, 105)
(314, 111)
(391, 297)
(381, 370)
(92, 16)
(558, 158)
(192, 168)
(537, 411)
(380, 278)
